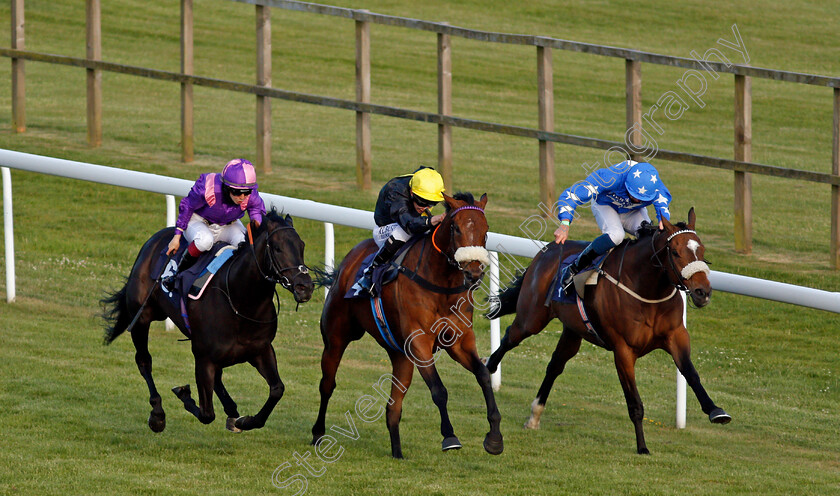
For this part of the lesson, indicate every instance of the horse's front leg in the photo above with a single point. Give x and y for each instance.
(465, 353)
(205, 373)
(425, 362)
(266, 365)
(143, 359)
(231, 410)
(625, 363)
(679, 346)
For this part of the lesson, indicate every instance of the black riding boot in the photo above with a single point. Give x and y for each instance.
(385, 254)
(582, 261)
(186, 262)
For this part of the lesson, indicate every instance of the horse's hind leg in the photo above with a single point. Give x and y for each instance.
(231, 410)
(334, 345)
(140, 338)
(266, 364)
(464, 352)
(680, 349)
(567, 347)
(524, 325)
(625, 362)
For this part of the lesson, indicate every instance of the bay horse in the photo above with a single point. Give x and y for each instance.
(233, 322)
(634, 309)
(428, 307)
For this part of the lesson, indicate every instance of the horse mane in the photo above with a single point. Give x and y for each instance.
(648, 229)
(463, 196)
(272, 215)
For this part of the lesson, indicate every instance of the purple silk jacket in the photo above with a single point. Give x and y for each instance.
(205, 199)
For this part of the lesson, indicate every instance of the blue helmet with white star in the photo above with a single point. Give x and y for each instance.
(642, 181)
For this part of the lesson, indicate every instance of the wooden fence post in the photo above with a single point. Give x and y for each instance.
(835, 190)
(18, 73)
(444, 46)
(633, 92)
(187, 120)
(545, 100)
(264, 79)
(363, 151)
(743, 153)
(94, 76)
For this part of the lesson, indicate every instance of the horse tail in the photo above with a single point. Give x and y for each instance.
(115, 313)
(504, 303)
(323, 278)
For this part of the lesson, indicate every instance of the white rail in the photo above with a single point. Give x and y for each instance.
(333, 214)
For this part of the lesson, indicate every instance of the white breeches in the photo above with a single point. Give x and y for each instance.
(205, 235)
(616, 224)
(382, 233)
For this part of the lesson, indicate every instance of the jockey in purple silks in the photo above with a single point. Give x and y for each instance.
(211, 211)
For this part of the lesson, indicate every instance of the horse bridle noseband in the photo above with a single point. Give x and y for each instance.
(687, 271)
(450, 259)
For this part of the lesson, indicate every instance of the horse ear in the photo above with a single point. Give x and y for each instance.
(289, 220)
(691, 218)
(452, 202)
(483, 201)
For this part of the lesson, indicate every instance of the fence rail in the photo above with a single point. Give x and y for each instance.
(741, 165)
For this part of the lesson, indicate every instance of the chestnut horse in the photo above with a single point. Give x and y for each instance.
(234, 322)
(427, 308)
(633, 309)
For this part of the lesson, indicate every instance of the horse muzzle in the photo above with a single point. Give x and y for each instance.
(302, 288)
(472, 260)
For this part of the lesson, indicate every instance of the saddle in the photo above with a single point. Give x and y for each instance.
(382, 275)
(191, 282)
(586, 277)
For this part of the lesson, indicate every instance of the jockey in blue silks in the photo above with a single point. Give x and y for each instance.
(619, 196)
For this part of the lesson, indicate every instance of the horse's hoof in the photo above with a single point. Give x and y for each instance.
(231, 425)
(644, 451)
(494, 446)
(157, 423)
(532, 424)
(182, 391)
(244, 423)
(491, 367)
(718, 416)
(484, 360)
(450, 443)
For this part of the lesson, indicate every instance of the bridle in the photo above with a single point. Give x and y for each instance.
(680, 276)
(275, 273)
(454, 258)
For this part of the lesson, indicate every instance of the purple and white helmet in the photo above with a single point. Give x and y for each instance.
(642, 181)
(240, 174)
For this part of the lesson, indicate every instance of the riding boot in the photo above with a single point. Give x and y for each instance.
(597, 247)
(384, 255)
(186, 262)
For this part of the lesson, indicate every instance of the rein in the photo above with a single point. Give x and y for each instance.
(688, 271)
(274, 276)
(425, 283)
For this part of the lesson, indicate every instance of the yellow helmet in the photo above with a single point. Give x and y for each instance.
(427, 184)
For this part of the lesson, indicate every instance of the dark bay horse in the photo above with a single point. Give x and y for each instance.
(428, 307)
(634, 309)
(233, 322)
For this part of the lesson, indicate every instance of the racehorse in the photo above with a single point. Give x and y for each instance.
(633, 309)
(427, 307)
(233, 322)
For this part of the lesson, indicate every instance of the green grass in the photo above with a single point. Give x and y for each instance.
(75, 412)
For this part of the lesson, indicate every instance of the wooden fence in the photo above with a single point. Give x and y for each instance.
(741, 163)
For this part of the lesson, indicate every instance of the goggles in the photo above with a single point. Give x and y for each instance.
(240, 192)
(422, 202)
